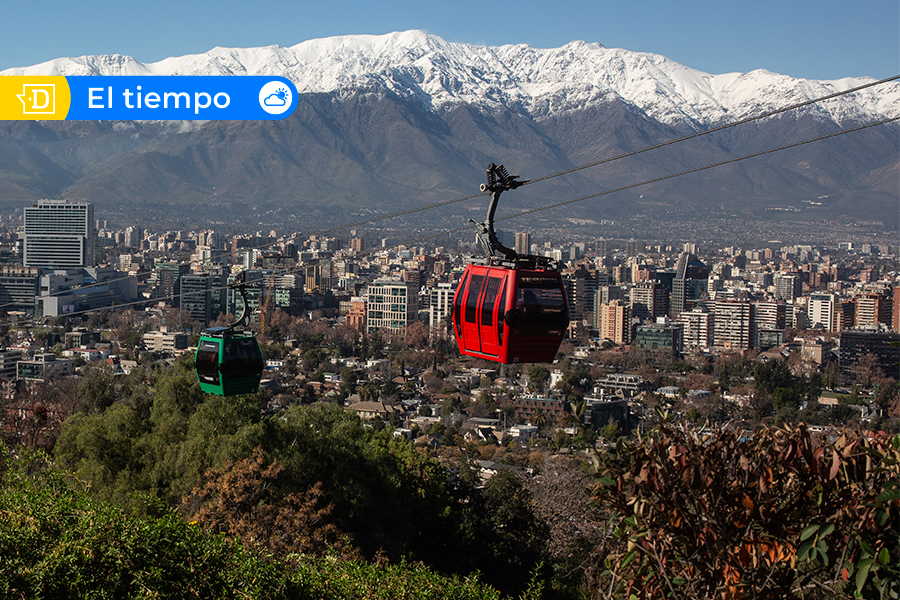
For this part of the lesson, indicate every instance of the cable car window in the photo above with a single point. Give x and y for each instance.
(207, 362)
(241, 358)
(457, 304)
(490, 297)
(472, 298)
(542, 292)
(501, 322)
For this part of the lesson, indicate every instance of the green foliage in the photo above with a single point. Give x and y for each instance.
(504, 536)
(152, 452)
(58, 542)
(96, 388)
(787, 390)
(538, 377)
(610, 432)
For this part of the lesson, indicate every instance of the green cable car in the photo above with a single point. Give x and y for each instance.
(228, 362)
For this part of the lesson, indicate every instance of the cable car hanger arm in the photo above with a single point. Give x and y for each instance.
(240, 284)
(498, 181)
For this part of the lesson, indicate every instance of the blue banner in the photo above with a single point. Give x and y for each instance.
(152, 98)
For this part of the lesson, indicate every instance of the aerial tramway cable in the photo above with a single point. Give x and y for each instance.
(558, 174)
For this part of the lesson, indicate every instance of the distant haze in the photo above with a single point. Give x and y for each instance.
(390, 122)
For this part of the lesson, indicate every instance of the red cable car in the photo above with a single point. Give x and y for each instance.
(510, 311)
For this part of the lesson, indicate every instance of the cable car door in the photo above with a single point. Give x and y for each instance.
(491, 301)
(471, 329)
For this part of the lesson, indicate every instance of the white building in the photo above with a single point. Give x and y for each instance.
(440, 303)
(820, 310)
(392, 306)
(59, 234)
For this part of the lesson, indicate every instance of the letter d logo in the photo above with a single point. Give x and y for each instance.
(34, 97)
(38, 99)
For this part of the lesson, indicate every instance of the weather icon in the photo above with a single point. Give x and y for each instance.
(275, 98)
(279, 98)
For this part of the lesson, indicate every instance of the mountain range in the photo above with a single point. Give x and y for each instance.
(399, 121)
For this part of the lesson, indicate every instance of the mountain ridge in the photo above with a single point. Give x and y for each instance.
(544, 82)
(418, 123)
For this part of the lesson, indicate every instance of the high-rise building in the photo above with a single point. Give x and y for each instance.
(631, 247)
(689, 285)
(59, 235)
(788, 287)
(18, 287)
(768, 316)
(896, 310)
(168, 281)
(820, 311)
(732, 324)
(318, 276)
(872, 308)
(440, 303)
(698, 329)
(523, 242)
(656, 336)
(614, 322)
(133, 237)
(649, 300)
(581, 287)
(392, 305)
(605, 295)
(196, 298)
(356, 312)
(855, 344)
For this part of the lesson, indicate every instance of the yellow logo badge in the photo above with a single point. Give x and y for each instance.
(33, 98)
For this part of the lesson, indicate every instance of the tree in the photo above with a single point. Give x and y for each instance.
(506, 536)
(561, 500)
(417, 335)
(96, 388)
(610, 432)
(774, 515)
(539, 419)
(245, 501)
(538, 377)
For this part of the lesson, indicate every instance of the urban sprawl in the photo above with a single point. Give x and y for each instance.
(832, 311)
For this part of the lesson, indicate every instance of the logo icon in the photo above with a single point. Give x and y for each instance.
(275, 98)
(38, 98)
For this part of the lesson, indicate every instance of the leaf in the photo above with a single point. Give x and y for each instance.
(803, 553)
(835, 465)
(808, 532)
(823, 551)
(863, 573)
(888, 495)
(747, 502)
(883, 556)
(826, 529)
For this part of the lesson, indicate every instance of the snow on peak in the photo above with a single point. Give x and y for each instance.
(544, 82)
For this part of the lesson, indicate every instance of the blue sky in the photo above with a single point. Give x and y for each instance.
(825, 39)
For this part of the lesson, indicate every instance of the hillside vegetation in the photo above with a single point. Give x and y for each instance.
(155, 489)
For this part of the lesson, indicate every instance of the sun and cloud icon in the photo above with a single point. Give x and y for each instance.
(275, 98)
(279, 98)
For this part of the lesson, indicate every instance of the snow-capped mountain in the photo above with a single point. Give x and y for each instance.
(402, 120)
(541, 82)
